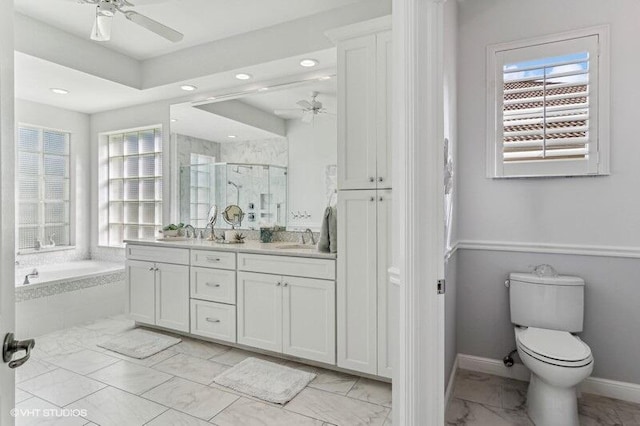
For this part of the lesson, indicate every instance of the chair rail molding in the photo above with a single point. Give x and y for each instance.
(550, 248)
(418, 134)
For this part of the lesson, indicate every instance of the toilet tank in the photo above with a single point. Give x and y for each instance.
(552, 302)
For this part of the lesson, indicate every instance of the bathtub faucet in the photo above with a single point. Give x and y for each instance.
(33, 274)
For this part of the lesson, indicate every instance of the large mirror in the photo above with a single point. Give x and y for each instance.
(271, 152)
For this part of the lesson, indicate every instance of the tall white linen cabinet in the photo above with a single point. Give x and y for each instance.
(364, 196)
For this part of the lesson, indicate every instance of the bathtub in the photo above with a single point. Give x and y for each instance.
(64, 272)
(67, 294)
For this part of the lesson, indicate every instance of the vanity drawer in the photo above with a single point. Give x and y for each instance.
(213, 259)
(288, 265)
(213, 320)
(216, 285)
(158, 254)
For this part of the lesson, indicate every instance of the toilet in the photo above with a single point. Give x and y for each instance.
(547, 310)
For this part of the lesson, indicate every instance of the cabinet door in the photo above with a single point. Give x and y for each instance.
(357, 283)
(384, 147)
(383, 206)
(309, 319)
(141, 291)
(172, 296)
(357, 113)
(260, 310)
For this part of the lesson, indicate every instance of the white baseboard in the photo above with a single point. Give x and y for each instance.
(452, 379)
(610, 388)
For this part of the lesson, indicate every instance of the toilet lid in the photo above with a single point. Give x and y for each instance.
(554, 344)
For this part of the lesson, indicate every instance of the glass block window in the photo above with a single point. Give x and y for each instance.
(135, 185)
(201, 189)
(42, 188)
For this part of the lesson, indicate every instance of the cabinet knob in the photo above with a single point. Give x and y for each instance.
(151, 269)
(381, 198)
(372, 179)
(212, 319)
(286, 285)
(278, 284)
(213, 285)
(380, 179)
(372, 199)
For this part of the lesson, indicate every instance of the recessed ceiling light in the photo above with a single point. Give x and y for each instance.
(173, 120)
(263, 89)
(232, 136)
(243, 76)
(308, 63)
(59, 91)
(188, 87)
(326, 77)
(211, 98)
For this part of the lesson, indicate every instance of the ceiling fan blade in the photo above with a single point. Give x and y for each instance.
(101, 30)
(288, 111)
(304, 104)
(154, 26)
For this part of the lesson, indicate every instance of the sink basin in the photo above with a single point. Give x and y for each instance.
(296, 247)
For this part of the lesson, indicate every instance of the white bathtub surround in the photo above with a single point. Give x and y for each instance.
(68, 294)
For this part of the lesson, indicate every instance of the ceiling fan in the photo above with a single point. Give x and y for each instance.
(106, 10)
(308, 109)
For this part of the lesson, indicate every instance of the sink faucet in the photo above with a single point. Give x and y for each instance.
(187, 234)
(33, 274)
(310, 232)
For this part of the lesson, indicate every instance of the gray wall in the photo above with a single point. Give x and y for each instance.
(450, 317)
(612, 302)
(573, 212)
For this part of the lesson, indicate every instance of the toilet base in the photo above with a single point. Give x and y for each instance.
(549, 405)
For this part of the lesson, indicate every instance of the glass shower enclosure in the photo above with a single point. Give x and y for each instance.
(259, 189)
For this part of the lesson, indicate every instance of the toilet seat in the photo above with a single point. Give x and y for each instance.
(554, 347)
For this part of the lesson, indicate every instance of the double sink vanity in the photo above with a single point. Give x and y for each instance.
(278, 297)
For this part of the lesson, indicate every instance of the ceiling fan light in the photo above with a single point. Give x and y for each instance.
(101, 28)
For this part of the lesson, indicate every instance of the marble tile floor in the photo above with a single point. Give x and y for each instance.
(70, 375)
(484, 400)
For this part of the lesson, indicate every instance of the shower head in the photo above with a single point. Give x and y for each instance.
(234, 184)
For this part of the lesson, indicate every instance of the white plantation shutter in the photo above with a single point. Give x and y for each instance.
(546, 100)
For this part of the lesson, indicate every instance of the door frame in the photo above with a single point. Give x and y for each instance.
(418, 135)
(7, 203)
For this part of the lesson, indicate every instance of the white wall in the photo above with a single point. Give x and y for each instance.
(312, 147)
(77, 124)
(590, 211)
(579, 212)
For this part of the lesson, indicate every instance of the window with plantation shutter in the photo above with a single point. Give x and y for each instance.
(548, 114)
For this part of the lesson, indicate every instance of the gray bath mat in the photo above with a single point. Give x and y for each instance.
(139, 343)
(265, 380)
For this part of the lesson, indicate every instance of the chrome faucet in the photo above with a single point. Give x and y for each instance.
(310, 232)
(33, 274)
(52, 242)
(212, 235)
(187, 234)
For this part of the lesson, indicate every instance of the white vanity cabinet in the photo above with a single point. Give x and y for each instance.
(158, 292)
(283, 313)
(363, 286)
(364, 105)
(213, 294)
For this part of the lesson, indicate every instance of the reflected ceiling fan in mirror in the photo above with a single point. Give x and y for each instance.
(307, 110)
(107, 9)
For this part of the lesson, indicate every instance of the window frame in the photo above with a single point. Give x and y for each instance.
(599, 165)
(104, 158)
(70, 176)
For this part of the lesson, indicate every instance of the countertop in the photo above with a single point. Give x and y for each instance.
(249, 246)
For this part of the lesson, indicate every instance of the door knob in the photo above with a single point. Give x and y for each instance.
(11, 346)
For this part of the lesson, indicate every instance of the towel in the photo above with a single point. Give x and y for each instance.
(329, 232)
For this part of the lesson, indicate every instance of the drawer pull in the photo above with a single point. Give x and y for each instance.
(212, 319)
(213, 259)
(213, 285)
